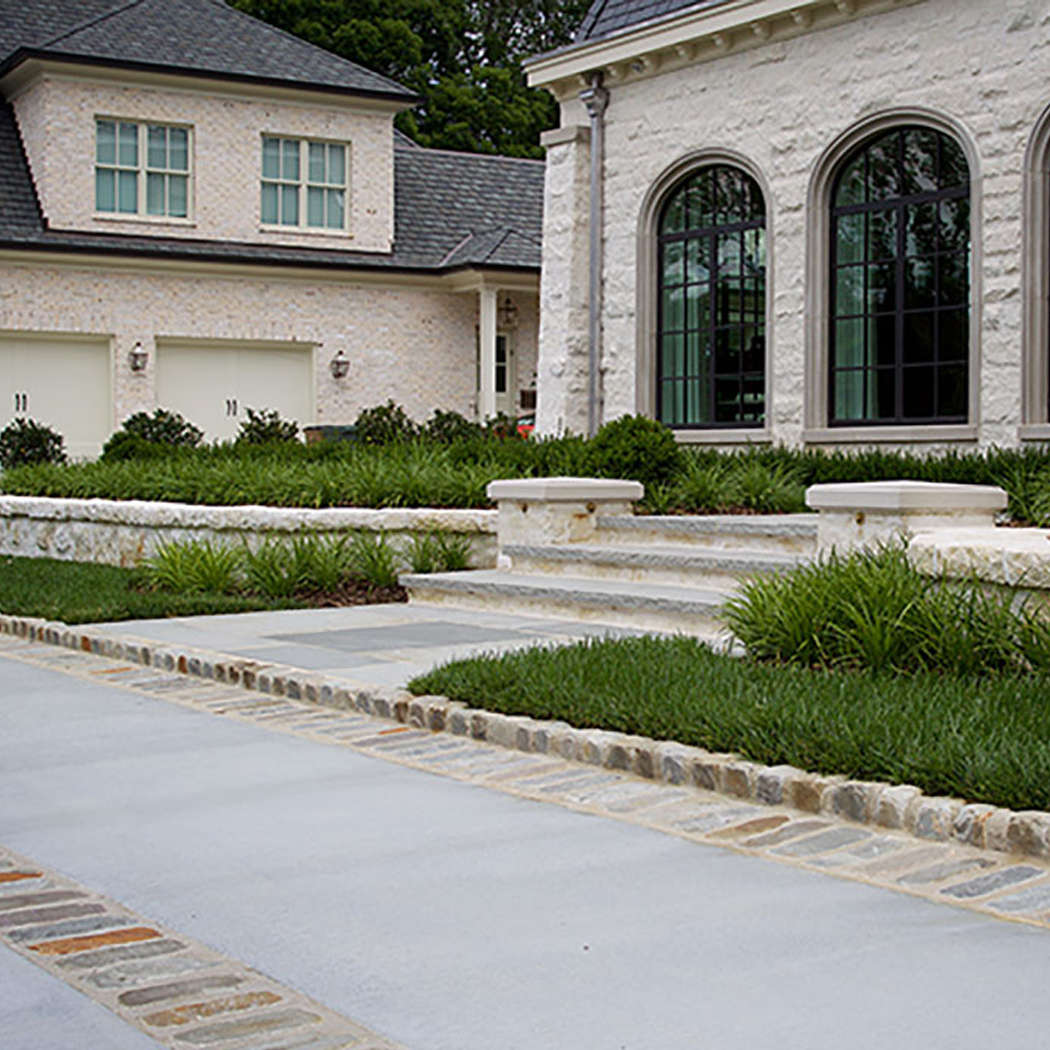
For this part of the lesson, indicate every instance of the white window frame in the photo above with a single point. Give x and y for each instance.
(142, 169)
(303, 185)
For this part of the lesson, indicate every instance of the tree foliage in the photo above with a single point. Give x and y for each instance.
(463, 57)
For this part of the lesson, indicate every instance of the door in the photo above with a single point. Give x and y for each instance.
(61, 381)
(214, 384)
(506, 376)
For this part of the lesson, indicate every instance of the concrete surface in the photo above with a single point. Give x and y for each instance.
(450, 917)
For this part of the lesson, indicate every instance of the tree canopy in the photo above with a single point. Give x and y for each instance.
(462, 56)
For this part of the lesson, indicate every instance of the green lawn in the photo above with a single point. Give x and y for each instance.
(982, 738)
(74, 592)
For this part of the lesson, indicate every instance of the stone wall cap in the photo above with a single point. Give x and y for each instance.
(565, 490)
(916, 496)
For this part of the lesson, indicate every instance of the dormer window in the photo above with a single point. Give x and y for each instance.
(142, 169)
(304, 183)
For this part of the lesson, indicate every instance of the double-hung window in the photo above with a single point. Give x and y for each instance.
(142, 169)
(304, 183)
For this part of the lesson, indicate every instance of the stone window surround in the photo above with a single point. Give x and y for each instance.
(141, 215)
(301, 228)
(818, 292)
(648, 290)
(1035, 284)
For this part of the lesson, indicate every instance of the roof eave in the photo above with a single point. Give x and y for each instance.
(397, 99)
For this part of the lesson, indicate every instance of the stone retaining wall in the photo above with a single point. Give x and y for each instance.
(123, 532)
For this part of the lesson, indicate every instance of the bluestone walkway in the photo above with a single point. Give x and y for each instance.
(337, 893)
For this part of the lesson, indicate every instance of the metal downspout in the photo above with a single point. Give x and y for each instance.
(595, 98)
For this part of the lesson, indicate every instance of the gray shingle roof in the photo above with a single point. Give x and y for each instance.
(189, 36)
(452, 211)
(607, 17)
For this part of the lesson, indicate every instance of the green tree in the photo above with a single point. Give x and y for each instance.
(463, 57)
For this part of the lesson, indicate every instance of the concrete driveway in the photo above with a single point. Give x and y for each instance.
(438, 913)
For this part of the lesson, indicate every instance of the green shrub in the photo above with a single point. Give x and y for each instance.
(123, 446)
(266, 427)
(423, 552)
(872, 610)
(25, 442)
(163, 428)
(384, 425)
(450, 428)
(273, 569)
(635, 448)
(454, 550)
(374, 559)
(199, 566)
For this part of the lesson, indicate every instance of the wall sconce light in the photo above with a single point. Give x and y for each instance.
(137, 358)
(339, 366)
(507, 312)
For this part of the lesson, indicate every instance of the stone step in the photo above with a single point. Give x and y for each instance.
(788, 533)
(643, 606)
(679, 565)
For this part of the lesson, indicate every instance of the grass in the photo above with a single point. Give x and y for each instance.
(981, 738)
(75, 592)
(425, 473)
(870, 609)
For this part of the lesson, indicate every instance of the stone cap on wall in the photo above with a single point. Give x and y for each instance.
(565, 490)
(915, 497)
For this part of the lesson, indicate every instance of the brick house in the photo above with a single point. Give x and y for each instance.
(819, 222)
(200, 212)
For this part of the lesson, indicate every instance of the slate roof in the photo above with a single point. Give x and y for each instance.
(608, 17)
(451, 211)
(186, 36)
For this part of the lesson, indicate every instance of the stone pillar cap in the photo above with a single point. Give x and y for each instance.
(565, 490)
(915, 496)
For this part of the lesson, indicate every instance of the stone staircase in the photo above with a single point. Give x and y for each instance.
(650, 573)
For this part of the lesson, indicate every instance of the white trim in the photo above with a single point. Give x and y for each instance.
(1035, 284)
(303, 185)
(647, 290)
(695, 36)
(818, 262)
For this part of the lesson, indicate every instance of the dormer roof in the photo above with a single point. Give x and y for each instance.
(189, 37)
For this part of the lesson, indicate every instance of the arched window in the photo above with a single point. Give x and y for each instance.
(711, 352)
(900, 282)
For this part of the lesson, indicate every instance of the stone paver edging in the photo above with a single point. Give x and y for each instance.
(894, 807)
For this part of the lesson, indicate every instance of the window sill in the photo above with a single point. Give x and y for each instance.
(307, 231)
(756, 436)
(143, 220)
(1034, 432)
(890, 435)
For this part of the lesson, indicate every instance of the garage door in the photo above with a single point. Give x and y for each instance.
(214, 384)
(61, 381)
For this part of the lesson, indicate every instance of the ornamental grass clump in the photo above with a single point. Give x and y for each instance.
(871, 610)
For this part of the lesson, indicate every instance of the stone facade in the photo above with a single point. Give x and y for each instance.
(786, 96)
(57, 120)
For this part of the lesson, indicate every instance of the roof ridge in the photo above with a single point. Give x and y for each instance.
(299, 40)
(81, 26)
(476, 156)
(450, 254)
(507, 230)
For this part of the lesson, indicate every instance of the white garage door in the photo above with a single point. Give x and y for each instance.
(62, 381)
(214, 384)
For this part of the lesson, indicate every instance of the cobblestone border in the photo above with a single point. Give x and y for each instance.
(896, 807)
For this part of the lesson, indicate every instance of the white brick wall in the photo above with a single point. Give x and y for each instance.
(982, 65)
(57, 122)
(413, 344)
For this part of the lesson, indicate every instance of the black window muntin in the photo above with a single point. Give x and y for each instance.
(711, 344)
(913, 318)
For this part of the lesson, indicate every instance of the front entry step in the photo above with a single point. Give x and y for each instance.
(644, 606)
(678, 565)
(786, 533)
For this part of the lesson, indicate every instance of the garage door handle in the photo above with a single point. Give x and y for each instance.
(231, 406)
(21, 402)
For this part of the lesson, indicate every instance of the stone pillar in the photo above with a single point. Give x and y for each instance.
(487, 340)
(541, 511)
(562, 363)
(864, 514)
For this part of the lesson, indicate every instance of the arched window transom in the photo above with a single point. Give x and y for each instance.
(900, 282)
(712, 302)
